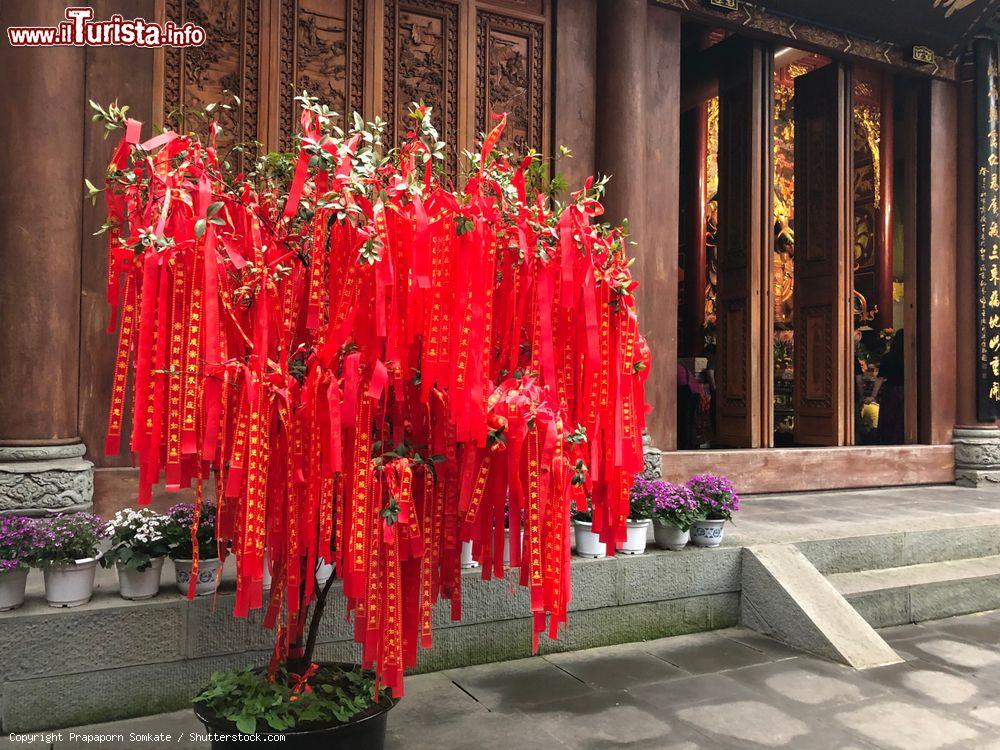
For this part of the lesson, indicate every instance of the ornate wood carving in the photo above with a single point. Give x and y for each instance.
(322, 52)
(805, 35)
(510, 78)
(421, 64)
(823, 342)
(228, 61)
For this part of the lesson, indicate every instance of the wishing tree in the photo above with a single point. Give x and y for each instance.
(373, 367)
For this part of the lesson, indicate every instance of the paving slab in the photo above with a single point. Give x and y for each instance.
(808, 682)
(515, 684)
(896, 725)
(616, 667)
(704, 653)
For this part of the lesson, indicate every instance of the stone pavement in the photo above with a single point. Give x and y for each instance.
(727, 689)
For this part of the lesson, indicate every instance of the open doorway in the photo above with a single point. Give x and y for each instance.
(793, 251)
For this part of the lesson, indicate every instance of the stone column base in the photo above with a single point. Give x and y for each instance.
(39, 480)
(977, 456)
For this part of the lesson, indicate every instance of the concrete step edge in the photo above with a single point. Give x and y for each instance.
(908, 576)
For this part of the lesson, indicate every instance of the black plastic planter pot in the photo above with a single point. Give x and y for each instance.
(368, 733)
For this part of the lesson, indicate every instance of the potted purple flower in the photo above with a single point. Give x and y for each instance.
(177, 531)
(717, 501)
(68, 548)
(17, 547)
(674, 511)
(640, 513)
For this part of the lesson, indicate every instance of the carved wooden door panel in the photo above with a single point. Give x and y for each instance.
(822, 311)
(743, 198)
(321, 51)
(229, 61)
(464, 58)
(421, 64)
(511, 74)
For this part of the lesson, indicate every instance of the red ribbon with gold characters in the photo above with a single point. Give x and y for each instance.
(376, 368)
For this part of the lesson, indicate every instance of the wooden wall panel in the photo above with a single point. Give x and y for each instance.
(230, 60)
(823, 281)
(743, 240)
(510, 78)
(804, 469)
(126, 74)
(321, 50)
(421, 64)
(575, 97)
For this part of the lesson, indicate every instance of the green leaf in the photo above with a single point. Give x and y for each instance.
(199, 227)
(214, 208)
(246, 724)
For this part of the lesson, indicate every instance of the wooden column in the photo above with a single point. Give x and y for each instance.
(694, 127)
(575, 62)
(658, 233)
(884, 251)
(966, 338)
(42, 119)
(126, 74)
(638, 75)
(976, 438)
(936, 235)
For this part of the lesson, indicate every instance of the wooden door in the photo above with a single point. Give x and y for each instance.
(823, 392)
(744, 205)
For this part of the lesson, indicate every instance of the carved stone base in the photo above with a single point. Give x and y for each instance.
(977, 456)
(652, 458)
(38, 480)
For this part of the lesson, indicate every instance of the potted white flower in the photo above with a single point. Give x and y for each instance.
(138, 547)
(717, 501)
(639, 518)
(674, 510)
(68, 548)
(180, 521)
(17, 548)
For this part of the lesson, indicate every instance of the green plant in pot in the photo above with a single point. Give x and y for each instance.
(68, 548)
(716, 500)
(674, 511)
(640, 514)
(184, 529)
(138, 547)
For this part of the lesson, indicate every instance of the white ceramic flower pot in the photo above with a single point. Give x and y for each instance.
(668, 536)
(12, 583)
(587, 542)
(635, 536)
(467, 561)
(140, 584)
(70, 585)
(208, 575)
(708, 533)
(323, 572)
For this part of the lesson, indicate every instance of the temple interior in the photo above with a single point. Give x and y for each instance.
(872, 276)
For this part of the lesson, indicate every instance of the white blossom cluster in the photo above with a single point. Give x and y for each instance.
(144, 526)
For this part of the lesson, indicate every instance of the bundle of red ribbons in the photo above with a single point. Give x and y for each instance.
(375, 368)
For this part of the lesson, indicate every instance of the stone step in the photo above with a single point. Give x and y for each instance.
(879, 546)
(924, 591)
